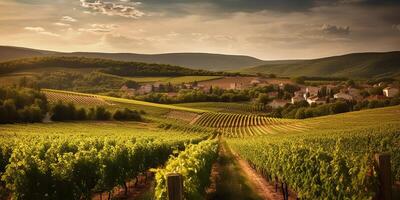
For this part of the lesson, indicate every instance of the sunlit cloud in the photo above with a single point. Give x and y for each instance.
(111, 8)
(61, 24)
(41, 30)
(336, 30)
(68, 19)
(99, 28)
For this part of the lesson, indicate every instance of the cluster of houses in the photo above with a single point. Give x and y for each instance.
(313, 95)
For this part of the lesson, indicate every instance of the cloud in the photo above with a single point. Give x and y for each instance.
(68, 19)
(41, 30)
(61, 24)
(111, 8)
(335, 30)
(99, 28)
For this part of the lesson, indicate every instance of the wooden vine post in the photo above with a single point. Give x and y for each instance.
(384, 175)
(175, 186)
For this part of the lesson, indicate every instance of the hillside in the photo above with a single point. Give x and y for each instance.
(120, 68)
(215, 62)
(357, 65)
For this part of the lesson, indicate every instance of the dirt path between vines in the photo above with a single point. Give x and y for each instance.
(134, 192)
(264, 189)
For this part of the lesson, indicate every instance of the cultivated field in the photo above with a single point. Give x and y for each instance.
(115, 100)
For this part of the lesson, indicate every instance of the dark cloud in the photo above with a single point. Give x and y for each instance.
(237, 5)
(335, 30)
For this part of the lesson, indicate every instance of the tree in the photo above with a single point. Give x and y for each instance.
(300, 114)
(263, 98)
(102, 113)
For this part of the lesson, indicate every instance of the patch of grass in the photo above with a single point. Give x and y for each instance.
(232, 184)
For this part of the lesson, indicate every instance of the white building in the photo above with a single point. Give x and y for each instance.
(390, 91)
(235, 86)
(342, 95)
(316, 100)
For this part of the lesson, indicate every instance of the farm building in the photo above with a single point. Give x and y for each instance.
(316, 100)
(144, 89)
(342, 95)
(312, 91)
(276, 103)
(390, 91)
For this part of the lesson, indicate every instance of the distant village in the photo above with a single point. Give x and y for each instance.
(322, 93)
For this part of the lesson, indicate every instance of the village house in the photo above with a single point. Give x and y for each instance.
(144, 89)
(390, 91)
(128, 91)
(342, 95)
(311, 91)
(236, 86)
(276, 103)
(316, 100)
(296, 99)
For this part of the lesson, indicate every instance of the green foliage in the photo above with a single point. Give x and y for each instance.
(332, 166)
(194, 164)
(58, 164)
(127, 114)
(114, 67)
(22, 105)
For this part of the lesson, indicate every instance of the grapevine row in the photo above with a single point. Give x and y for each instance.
(194, 164)
(75, 168)
(336, 166)
(240, 125)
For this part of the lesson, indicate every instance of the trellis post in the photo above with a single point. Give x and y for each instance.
(384, 173)
(175, 186)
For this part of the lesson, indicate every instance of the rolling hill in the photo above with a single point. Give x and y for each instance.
(206, 61)
(357, 65)
(83, 64)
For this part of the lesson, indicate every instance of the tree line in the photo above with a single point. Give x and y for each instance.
(302, 110)
(121, 68)
(24, 105)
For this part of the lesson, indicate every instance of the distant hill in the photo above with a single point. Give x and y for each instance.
(206, 61)
(356, 65)
(83, 64)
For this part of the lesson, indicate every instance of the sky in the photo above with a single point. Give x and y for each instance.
(266, 29)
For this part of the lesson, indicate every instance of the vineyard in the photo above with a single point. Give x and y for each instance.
(330, 156)
(124, 102)
(238, 108)
(54, 97)
(333, 158)
(241, 125)
(74, 161)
